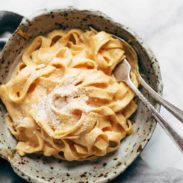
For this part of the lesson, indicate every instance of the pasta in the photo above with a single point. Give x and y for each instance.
(63, 99)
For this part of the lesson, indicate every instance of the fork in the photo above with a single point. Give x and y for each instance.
(173, 129)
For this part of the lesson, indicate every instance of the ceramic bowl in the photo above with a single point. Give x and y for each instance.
(40, 169)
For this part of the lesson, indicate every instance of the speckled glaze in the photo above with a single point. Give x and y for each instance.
(40, 169)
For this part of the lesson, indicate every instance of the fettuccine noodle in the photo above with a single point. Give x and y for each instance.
(63, 100)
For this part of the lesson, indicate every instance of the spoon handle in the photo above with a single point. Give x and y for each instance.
(173, 128)
(170, 107)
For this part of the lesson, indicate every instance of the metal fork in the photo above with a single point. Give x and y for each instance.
(173, 129)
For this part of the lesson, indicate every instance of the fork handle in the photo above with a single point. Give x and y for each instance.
(174, 128)
(170, 107)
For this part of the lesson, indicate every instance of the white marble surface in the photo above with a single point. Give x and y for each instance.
(160, 24)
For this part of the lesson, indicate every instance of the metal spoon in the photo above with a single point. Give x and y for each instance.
(170, 107)
(173, 128)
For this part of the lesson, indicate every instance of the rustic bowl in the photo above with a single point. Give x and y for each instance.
(40, 169)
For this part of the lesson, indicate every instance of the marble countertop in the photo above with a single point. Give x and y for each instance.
(160, 25)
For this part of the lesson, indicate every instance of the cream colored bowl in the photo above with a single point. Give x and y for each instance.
(40, 169)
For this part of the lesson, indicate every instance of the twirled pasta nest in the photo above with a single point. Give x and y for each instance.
(63, 100)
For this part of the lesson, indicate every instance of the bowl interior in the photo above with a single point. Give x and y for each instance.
(40, 169)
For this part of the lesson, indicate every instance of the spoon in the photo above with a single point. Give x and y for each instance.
(174, 128)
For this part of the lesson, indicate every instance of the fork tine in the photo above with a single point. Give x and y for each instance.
(122, 71)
